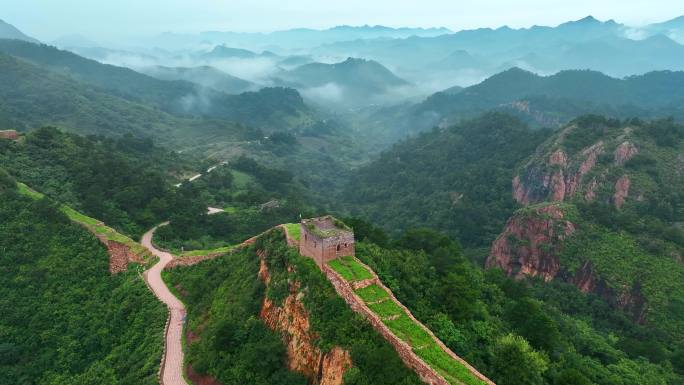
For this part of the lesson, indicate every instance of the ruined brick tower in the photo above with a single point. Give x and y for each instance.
(325, 239)
(9, 134)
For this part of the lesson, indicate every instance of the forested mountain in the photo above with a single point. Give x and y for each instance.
(272, 108)
(610, 193)
(595, 223)
(456, 180)
(205, 76)
(65, 319)
(224, 52)
(530, 214)
(352, 82)
(545, 101)
(8, 31)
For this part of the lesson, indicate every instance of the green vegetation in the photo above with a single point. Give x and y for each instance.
(456, 179)
(192, 229)
(350, 269)
(409, 331)
(224, 297)
(522, 332)
(386, 308)
(64, 318)
(137, 98)
(372, 293)
(95, 226)
(295, 230)
(379, 301)
(452, 370)
(124, 182)
(219, 250)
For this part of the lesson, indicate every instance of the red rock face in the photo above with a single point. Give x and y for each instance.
(519, 191)
(621, 191)
(590, 193)
(528, 245)
(119, 256)
(584, 279)
(625, 152)
(292, 321)
(559, 182)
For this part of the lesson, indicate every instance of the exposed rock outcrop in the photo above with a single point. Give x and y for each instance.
(624, 152)
(120, 255)
(292, 321)
(529, 243)
(558, 179)
(530, 247)
(621, 191)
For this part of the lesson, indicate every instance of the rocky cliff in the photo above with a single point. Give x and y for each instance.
(292, 321)
(559, 173)
(530, 243)
(605, 187)
(531, 246)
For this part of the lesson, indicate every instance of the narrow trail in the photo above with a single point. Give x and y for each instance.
(172, 362)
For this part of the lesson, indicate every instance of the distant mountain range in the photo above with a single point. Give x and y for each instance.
(588, 43)
(300, 38)
(543, 100)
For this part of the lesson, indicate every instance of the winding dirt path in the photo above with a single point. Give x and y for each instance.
(172, 362)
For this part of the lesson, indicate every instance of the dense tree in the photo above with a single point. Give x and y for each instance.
(64, 318)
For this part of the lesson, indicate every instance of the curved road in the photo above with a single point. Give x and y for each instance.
(172, 369)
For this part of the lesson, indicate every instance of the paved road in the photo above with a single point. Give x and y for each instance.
(172, 371)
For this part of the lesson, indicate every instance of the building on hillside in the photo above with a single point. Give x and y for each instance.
(325, 238)
(9, 134)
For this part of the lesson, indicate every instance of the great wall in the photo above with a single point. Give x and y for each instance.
(328, 368)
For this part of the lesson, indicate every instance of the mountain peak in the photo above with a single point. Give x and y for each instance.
(8, 31)
(588, 19)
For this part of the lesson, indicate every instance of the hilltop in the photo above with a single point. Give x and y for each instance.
(353, 81)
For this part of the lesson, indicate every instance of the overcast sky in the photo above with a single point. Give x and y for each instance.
(112, 19)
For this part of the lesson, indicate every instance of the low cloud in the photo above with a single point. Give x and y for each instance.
(327, 93)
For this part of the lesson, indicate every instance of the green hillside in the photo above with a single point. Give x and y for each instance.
(518, 332)
(224, 298)
(627, 208)
(456, 180)
(108, 179)
(65, 319)
(269, 108)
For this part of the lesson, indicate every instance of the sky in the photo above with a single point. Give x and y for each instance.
(117, 19)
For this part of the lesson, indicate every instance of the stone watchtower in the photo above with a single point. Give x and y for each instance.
(325, 238)
(9, 134)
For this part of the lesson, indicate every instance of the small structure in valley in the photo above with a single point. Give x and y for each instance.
(9, 134)
(325, 238)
